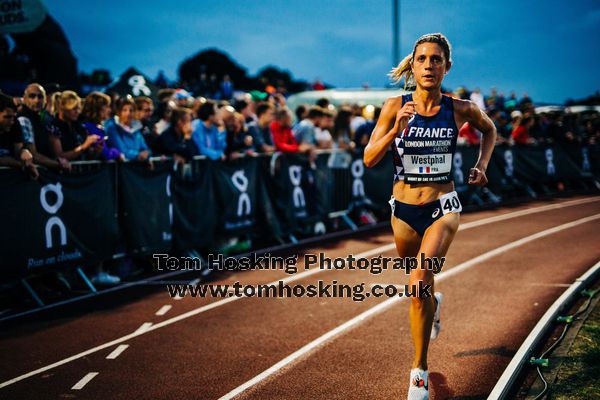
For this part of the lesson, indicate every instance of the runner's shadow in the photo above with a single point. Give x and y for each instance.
(498, 351)
(441, 390)
(439, 383)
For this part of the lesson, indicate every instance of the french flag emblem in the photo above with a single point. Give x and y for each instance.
(426, 169)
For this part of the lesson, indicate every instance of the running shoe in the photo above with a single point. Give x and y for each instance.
(418, 388)
(437, 325)
(105, 279)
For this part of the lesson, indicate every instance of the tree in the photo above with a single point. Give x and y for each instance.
(212, 61)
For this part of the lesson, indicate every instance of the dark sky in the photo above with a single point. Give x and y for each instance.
(548, 48)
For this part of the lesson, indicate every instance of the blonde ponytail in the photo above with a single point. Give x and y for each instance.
(403, 70)
(55, 103)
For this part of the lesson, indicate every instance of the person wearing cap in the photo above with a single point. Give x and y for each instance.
(182, 98)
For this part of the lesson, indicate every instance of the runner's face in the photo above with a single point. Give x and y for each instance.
(429, 65)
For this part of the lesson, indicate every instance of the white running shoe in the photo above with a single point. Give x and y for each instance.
(418, 388)
(437, 325)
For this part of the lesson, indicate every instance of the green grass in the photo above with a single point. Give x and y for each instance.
(579, 375)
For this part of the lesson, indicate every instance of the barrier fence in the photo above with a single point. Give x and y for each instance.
(100, 210)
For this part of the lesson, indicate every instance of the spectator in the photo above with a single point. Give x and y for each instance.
(202, 87)
(122, 134)
(166, 95)
(301, 113)
(246, 108)
(491, 100)
(503, 134)
(323, 102)
(526, 100)
(357, 118)
(283, 137)
(144, 108)
(318, 85)
(363, 133)
(163, 113)
(260, 130)
(52, 93)
(341, 129)
(226, 88)
(67, 136)
(12, 152)
(520, 133)
(500, 101)
(209, 138)
(32, 118)
(53, 105)
(306, 130)
(323, 130)
(468, 135)
(477, 98)
(213, 85)
(177, 140)
(183, 98)
(239, 141)
(96, 110)
(511, 103)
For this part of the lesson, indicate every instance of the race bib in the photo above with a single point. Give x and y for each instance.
(415, 164)
(450, 203)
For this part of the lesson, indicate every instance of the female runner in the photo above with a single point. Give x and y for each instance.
(422, 128)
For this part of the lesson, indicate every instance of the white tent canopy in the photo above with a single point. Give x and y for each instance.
(338, 97)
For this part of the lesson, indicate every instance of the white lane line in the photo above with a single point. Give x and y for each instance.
(84, 381)
(143, 328)
(551, 284)
(163, 310)
(320, 341)
(117, 352)
(520, 213)
(301, 275)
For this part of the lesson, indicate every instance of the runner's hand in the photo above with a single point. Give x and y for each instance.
(477, 177)
(405, 113)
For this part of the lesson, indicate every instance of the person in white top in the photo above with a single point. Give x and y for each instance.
(477, 98)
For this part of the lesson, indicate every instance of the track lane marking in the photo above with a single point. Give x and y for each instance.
(143, 328)
(117, 352)
(163, 310)
(301, 275)
(321, 340)
(84, 381)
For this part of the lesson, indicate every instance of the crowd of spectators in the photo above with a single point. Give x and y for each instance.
(55, 130)
(518, 123)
